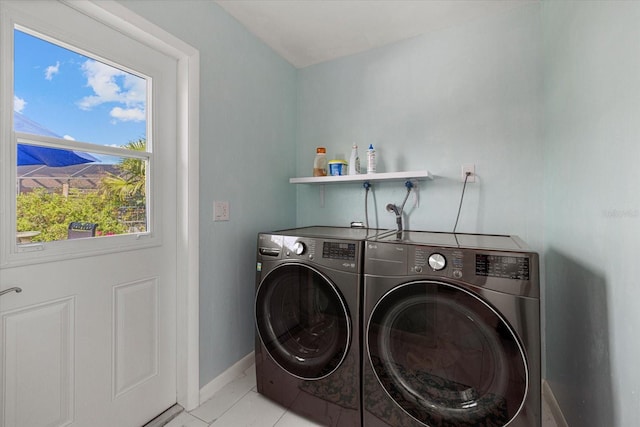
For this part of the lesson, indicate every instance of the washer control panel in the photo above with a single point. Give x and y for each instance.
(502, 271)
(512, 272)
(444, 261)
(504, 266)
(437, 261)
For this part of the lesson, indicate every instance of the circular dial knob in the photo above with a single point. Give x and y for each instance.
(299, 248)
(437, 261)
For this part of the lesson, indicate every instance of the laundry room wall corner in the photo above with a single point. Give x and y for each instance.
(592, 103)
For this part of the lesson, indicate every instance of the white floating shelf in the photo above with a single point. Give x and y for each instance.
(383, 176)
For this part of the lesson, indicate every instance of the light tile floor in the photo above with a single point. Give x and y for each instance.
(238, 404)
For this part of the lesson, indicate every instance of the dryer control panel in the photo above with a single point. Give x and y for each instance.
(343, 255)
(339, 250)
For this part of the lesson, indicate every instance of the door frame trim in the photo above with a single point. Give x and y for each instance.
(117, 16)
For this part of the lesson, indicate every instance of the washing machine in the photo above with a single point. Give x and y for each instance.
(307, 316)
(451, 331)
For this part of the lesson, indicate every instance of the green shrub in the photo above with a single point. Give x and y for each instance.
(51, 213)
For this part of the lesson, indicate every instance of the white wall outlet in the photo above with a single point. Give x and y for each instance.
(471, 169)
(220, 210)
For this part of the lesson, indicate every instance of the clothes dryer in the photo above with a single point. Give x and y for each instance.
(307, 315)
(452, 332)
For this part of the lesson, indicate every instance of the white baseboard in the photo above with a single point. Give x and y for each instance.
(226, 377)
(547, 395)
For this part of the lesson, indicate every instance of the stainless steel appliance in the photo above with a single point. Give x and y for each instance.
(307, 313)
(452, 331)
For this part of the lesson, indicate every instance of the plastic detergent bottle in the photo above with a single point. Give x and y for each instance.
(371, 159)
(354, 161)
(320, 162)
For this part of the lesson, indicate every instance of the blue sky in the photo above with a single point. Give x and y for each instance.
(75, 96)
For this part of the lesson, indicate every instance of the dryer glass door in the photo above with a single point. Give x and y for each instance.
(302, 321)
(445, 356)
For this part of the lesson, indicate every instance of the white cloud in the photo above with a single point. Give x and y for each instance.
(102, 79)
(111, 85)
(68, 138)
(52, 70)
(135, 90)
(18, 104)
(128, 114)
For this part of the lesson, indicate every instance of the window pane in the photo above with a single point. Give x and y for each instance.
(61, 93)
(65, 96)
(109, 195)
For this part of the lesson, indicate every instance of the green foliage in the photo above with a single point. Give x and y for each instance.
(118, 206)
(51, 213)
(130, 184)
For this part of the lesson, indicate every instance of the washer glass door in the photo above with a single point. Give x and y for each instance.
(445, 356)
(302, 321)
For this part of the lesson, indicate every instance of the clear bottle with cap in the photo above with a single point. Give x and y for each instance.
(320, 162)
(354, 161)
(371, 159)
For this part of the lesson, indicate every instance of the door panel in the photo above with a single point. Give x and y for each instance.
(105, 350)
(91, 340)
(37, 365)
(135, 349)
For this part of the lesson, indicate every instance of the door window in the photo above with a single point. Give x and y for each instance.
(443, 354)
(81, 143)
(302, 321)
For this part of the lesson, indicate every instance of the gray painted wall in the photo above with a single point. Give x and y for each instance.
(592, 148)
(247, 131)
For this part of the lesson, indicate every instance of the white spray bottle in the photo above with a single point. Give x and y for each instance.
(354, 161)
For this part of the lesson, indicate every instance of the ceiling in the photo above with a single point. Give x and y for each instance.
(307, 32)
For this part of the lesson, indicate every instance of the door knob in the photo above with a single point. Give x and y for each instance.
(14, 289)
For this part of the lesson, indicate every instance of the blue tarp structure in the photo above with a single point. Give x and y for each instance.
(54, 157)
(38, 155)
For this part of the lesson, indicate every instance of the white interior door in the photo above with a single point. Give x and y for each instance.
(91, 339)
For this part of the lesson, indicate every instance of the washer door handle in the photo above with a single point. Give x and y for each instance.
(14, 289)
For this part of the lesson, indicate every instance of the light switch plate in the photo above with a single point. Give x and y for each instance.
(220, 210)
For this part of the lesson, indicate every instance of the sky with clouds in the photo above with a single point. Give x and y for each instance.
(76, 96)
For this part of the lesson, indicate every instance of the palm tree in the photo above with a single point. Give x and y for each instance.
(130, 184)
(129, 188)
